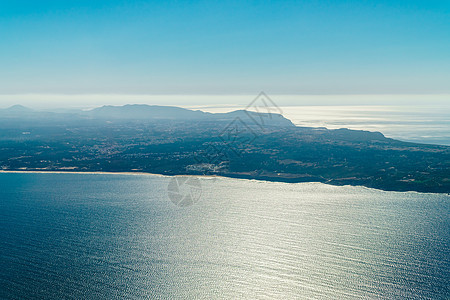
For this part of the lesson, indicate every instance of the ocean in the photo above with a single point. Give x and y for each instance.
(99, 236)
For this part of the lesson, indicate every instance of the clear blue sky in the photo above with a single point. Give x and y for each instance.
(224, 47)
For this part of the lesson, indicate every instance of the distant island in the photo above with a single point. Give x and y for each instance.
(241, 144)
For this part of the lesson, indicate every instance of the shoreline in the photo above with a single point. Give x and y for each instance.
(112, 173)
(80, 172)
(203, 176)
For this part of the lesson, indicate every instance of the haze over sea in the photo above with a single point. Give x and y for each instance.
(97, 236)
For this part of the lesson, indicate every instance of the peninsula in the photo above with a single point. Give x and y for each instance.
(241, 144)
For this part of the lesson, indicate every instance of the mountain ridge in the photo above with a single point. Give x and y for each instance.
(144, 112)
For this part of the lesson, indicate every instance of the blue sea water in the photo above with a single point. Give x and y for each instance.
(97, 236)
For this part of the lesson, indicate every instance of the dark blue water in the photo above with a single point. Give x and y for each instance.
(71, 236)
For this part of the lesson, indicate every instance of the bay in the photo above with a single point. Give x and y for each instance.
(99, 236)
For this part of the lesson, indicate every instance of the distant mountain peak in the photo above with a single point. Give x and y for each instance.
(19, 108)
(145, 112)
(158, 112)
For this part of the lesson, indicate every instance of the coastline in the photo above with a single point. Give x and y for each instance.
(208, 176)
(80, 172)
(109, 173)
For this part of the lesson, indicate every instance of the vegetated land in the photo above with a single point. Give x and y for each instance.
(175, 141)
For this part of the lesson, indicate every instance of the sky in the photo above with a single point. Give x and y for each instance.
(210, 47)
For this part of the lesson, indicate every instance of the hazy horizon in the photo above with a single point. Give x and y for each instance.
(85, 101)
